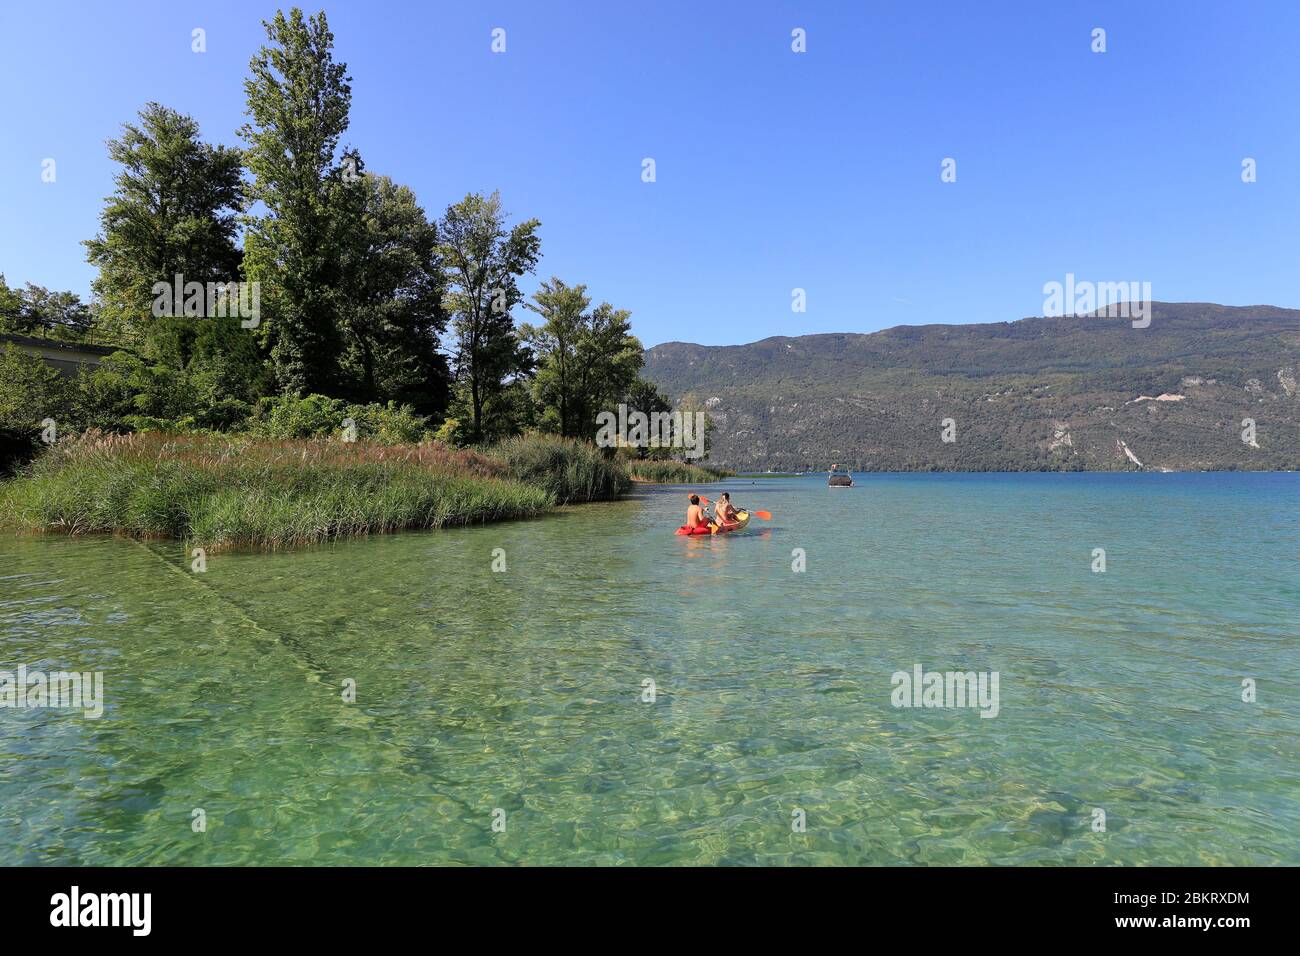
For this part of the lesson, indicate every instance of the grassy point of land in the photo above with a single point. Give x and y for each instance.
(230, 491)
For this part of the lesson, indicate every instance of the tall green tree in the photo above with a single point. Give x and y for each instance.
(298, 104)
(173, 211)
(391, 307)
(644, 396)
(35, 310)
(482, 262)
(586, 359)
(10, 306)
(690, 407)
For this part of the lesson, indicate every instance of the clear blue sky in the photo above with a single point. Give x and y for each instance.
(775, 170)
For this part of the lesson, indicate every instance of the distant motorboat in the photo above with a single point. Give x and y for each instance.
(840, 477)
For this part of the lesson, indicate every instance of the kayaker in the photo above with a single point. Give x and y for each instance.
(695, 517)
(724, 512)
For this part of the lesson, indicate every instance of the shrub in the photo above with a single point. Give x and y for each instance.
(318, 416)
(287, 416)
(30, 390)
(450, 432)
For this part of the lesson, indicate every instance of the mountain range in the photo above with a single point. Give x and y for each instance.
(1202, 387)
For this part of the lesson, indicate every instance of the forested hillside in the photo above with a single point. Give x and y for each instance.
(1080, 392)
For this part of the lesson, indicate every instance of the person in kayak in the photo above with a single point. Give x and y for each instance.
(695, 516)
(724, 513)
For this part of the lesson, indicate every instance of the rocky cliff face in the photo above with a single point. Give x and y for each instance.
(1204, 387)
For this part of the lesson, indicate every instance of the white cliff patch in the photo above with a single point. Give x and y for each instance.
(1119, 443)
(1162, 397)
(1060, 437)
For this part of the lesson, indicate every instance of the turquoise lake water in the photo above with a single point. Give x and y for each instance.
(519, 695)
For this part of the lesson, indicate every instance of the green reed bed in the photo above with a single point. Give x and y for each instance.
(234, 491)
(572, 471)
(673, 472)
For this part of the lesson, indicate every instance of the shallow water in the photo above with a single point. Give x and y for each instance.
(522, 691)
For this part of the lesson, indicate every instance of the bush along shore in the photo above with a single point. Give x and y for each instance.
(231, 491)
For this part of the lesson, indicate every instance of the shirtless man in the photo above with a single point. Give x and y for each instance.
(695, 516)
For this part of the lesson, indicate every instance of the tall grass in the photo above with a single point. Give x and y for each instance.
(571, 470)
(673, 472)
(229, 491)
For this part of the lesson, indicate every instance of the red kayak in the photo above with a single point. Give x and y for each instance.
(742, 519)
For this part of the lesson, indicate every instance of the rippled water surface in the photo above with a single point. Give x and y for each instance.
(523, 691)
